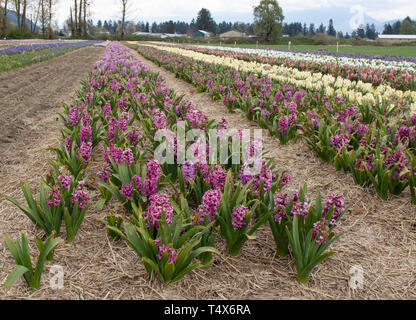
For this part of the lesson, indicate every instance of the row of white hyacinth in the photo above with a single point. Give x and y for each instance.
(344, 61)
(367, 63)
(355, 92)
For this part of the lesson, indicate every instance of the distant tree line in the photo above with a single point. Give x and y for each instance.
(367, 31)
(204, 22)
(298, 29)
(407, 26)
(32, 17)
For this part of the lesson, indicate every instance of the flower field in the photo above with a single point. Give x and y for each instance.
(15, 55)
(26, 42)
(171, 235)
(137, 165)
(354, 91)
(373, 139)
(398, 74)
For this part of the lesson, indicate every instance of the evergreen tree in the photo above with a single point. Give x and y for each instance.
(388, 29)
(155, 28)
(331, 29)
(205, 21)
(293, 29)
(312, 29)
(115, 25)
(223, 27)
(370, 31)
(192, 26)
(396, 27)
(361, 32)
(407, 27)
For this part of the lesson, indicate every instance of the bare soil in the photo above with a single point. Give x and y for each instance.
(27, 95)
(379, 236)
(30, 99)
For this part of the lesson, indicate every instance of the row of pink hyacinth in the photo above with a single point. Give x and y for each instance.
(216, 177)
(121, 74)
(119, 59)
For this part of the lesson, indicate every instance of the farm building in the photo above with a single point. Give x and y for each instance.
(397, 37)
(232, 34)
(158, 35)
(201, 34)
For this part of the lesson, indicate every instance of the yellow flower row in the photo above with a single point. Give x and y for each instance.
(413, 109)
(356, 92)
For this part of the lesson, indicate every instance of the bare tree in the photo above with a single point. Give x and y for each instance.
(75, 18)
(24, 7)
(43, 17)
(1, 16)
(34, 25)
(125, 6)
(17, 9)
(71, 21)
(4, 26)
(20, 7)
(85, 18)
(50, 19)
(80, 19)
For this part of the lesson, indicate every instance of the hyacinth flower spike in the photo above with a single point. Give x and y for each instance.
(45, 215)
(234, 216)
(170, 254)
(311, 231)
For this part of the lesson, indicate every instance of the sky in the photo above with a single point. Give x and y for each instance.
(240, 10)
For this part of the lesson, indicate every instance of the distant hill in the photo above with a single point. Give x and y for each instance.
(340, 16)
(12, 19)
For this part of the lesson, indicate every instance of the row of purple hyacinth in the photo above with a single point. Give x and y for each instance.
(147, 186)
(41, 46)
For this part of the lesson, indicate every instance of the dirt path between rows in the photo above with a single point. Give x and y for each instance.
(379, 235)
(30, 99)
(29, 94)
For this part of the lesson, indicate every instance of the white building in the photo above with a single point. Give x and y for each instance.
(397, 37)
(159, 35)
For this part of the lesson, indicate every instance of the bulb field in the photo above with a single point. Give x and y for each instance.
(151, 170)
